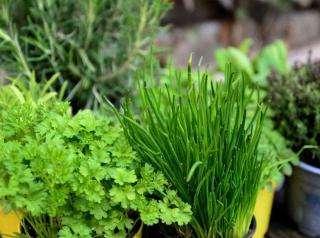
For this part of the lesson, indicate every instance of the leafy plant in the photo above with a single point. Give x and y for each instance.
(76, 176)
(273, 148)
(273, 145)
(94, 44)
(204, 145)
(295, 102)
(272, 57)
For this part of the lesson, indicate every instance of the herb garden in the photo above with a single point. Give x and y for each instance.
(101, 138)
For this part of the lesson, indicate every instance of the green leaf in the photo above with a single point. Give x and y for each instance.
(122, 176)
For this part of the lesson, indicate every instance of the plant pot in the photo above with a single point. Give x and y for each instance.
(9, 224)
(252, 228)
(303, 198)
(262, 212)
(139, 232)
(250, 234)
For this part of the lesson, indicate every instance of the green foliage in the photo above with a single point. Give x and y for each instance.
(203, 143)
(295, 101)
(275, 148)
(272, 57)
(237, 57)
(94, 44)
(76, 176)
(272, 147)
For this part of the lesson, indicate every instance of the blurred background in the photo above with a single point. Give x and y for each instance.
(202, 26)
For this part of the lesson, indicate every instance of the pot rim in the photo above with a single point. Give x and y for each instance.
(309, 168)
(252, 228)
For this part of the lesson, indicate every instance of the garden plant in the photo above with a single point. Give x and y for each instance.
(272, 58)
(75, 175)
(94, 44)
(204, 144)
(295, 102)
(189, 153)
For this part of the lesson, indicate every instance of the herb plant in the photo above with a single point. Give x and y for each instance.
(275, 150)
(273, 146)
(272, 57)
(94, 44)
(295, 101)
(204, 145)
(76, 176)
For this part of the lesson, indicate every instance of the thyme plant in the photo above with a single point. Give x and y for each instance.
(94, 44)
(295, 100)
(201, 140)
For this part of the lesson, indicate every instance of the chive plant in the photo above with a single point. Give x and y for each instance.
(203, 142)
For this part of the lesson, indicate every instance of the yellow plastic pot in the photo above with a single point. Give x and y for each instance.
(139, 233)
(262, 212)
(9, 223)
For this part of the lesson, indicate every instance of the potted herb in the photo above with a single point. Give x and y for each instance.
(9, 95)
(204, 145)
(273, 147)
(95, 45)
(76, 176)
(295, 101)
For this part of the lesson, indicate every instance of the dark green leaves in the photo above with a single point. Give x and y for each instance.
(295, 100)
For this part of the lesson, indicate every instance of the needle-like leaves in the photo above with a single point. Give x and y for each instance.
(204, 144)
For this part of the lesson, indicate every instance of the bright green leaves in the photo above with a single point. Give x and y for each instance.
(92, 168)
(171, 209)
(123, 195)
(122, 176)
(78, 228)
(272, 57)
(197, 136)
(151, 181)
(80, 171)
(150, 213)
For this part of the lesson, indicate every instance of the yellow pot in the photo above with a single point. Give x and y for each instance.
(139, 233)
(262, 212)
(9, 223)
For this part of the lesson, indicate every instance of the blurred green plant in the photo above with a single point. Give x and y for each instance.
(273, 148)
(295, 101)
(75, 176)
(272, 57)
(93, 44)
(201, 139)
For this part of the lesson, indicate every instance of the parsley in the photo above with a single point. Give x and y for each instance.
(77, 176)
